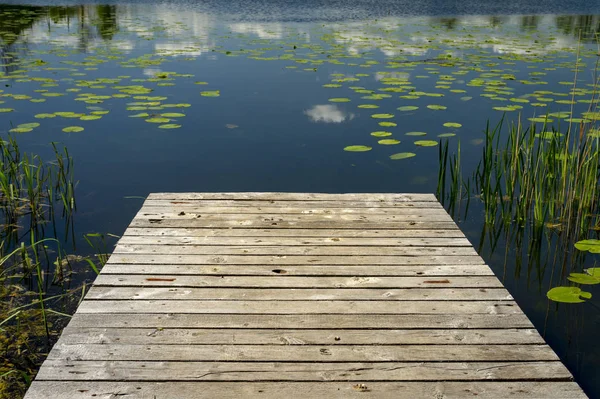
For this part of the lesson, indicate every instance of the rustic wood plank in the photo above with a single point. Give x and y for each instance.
(293, 307)
(329, 204)
(188, 336)
(280, 223)
(224, 281)
(312, 321)
(326, 233)
(301, 270)
(302, 294)
(284, 196)
(280, 260)
(303, 390)
(283, 250)
(305, 353)
(146, 370)
(293, 241)
(192, 210)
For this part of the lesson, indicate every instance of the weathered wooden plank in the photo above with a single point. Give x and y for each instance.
(281, 260)
(329, 204)
(303, 390)
(146, 336)
(341, 251)
(190, 211)
(313, 321)
(285, 196)
(329, 233)
(302, 294)
(295, 282)
(301, 270)
(327, 371)
(294, 241)
(279, 223)
(305, 353)
(294, 307)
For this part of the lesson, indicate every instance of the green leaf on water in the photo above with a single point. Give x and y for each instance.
(169, 126)
(446, 135)
(339, 100)
(3, 110)
(368, 106)
(387, 124)
(452, 124)
(210, 93)
(44, 116)
(142, 115)
(402, 155)
(382, 116)
(568, 295)
(584, 278)
(388, 142)
(592, 246)
(416, 134)
(540, 119)
(437, 107)
(73, 129)
(90, 117)
(426, 143)
(408, 108)
(158, 120)
(172, 115)
(28, 125)
(357, 148)
(381, 134)
(100, 112)
(504, 109)
(20, 130)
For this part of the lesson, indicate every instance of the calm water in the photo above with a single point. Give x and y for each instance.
(277, 65)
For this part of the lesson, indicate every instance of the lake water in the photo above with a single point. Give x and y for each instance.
(266, 95)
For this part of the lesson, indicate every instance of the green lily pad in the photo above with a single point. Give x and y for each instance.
(402, 155)
(408, 108)
(446, 135)
(21, 130)
(452, 124)
(158, 120)
(388, 142)
(592, 246)
(437, 107)
(169, 126)
(32, 125)
(141, 115)
(426, 143)
(173, 115)
(44, 116)
(210, 93)
(4, 110)
(357, 148)
(381, 134)
(382, 116)
(504, 109)
(368, 106)
(339, 100)
(100, 112)
(584, 278)
(568, 295)
(73, 129)
(416, 134)
(540, 119)
(387, 124)
(90, 117)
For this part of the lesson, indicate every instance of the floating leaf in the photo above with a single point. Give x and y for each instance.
(387, 124)
(426, 143)
(592, 246)
(540, 120)
(210, 93)
(100, 112)
(402, 155)
(568, 294)
(452, 124)
(584, 278)
(158, 120)
(357, 148)
(142, 115)
(44, 116)
(408, 108)
(169, 126)
(505, 109)
(388, 142)
(29, 125)
(339, 100)
(446, 135)
(20, 130)
(416, 134)
(382, 116)
(90, 117)
(73, 129)
(381, 134)
(3, 110)
(437, 107)
(368, 106)
(173, 115)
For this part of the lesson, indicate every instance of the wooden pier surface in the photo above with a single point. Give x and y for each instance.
(291, 295)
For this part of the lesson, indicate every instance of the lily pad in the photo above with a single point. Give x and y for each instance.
(339, 100)
(402, 155)
(408, 108)
(452, 124)
(584, 278)
(387, 124)
(368, 106)
(446, 135)
(210, 93)
(90, 117)
(388, 142)
(158, 120)
(357, 148)
(416, 134)
(20, 130)
(172, 115)
(381, 134)
(568, 295)
(426, 143)
(437, 107)
(382, 116)
(4, 110)
(73, 129)
(169, 126)
(141, 115)
(592, 246)
(44, 116)
(28, 125)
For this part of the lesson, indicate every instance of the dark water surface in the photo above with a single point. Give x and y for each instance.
(273, 126)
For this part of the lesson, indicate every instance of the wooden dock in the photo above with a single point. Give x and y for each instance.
(283, 295)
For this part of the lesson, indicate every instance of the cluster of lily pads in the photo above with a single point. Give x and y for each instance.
(590, 276)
